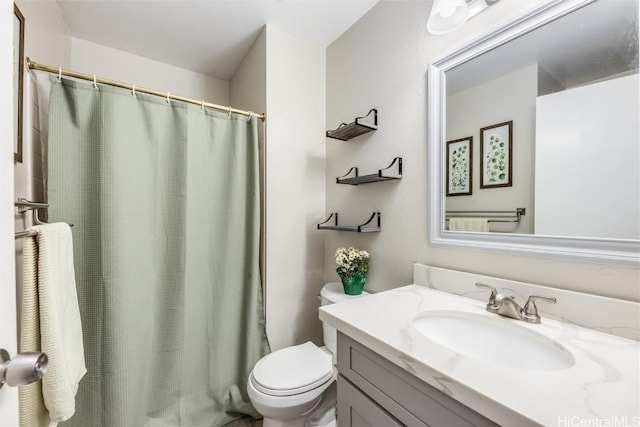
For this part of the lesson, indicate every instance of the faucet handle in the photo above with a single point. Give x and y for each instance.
(530, 310)
(492, 298)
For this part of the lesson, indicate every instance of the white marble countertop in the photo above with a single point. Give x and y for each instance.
(601, 388)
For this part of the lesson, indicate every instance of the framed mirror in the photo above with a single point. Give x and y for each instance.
(551, 104)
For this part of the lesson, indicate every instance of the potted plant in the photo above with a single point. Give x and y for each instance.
(352, 268)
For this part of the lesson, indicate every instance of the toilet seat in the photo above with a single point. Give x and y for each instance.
(292, 370)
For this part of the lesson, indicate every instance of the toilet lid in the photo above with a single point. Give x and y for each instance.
(292, 370)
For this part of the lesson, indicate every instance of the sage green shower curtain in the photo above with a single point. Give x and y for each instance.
(164, 199)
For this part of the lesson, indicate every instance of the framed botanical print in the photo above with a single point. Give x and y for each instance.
(459, 166)
(496, 155)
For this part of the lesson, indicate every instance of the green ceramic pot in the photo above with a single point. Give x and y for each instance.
(353, 284)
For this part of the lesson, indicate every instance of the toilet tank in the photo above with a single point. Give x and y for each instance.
(332, 293)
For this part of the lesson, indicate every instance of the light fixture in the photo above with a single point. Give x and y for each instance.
(447, 16)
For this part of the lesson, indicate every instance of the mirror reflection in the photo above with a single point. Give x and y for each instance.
(542, 133)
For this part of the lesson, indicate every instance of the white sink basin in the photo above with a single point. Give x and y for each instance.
(493, 339)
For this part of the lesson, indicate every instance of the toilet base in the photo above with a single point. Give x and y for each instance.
(322, 414)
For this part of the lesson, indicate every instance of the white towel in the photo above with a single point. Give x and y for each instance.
(468, 224)
(51, 324)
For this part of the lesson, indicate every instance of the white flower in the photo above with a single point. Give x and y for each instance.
(351, 260)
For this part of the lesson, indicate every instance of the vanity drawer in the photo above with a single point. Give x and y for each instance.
(405, 397)
(356, 409)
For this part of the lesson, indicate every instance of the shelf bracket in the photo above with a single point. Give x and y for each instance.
(346, 175)
(372, 225)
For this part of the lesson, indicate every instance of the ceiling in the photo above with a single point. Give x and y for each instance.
(207, 36)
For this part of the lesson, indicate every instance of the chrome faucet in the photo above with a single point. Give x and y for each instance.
(505, 305)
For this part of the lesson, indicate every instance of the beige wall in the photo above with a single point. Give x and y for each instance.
(92, 58)
(248, 91)
(47, 37)
(248, 86)
(381, 62)
(295, 175)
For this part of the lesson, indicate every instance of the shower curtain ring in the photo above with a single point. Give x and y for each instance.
(169, 98)
(133, 91)
(229, 116)
(202, 106)
(59, 74)
(95, 82)
(251, 114)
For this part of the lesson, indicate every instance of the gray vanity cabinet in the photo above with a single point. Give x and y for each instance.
(374, 392)
(356, 408)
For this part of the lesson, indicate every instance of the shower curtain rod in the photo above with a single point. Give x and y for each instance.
(36, 66)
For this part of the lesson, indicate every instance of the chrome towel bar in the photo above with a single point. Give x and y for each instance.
(494, 216)
(25, 205)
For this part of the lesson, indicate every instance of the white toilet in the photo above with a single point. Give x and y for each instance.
(295, 386)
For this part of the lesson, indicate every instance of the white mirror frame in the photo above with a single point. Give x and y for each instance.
(575, 248)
